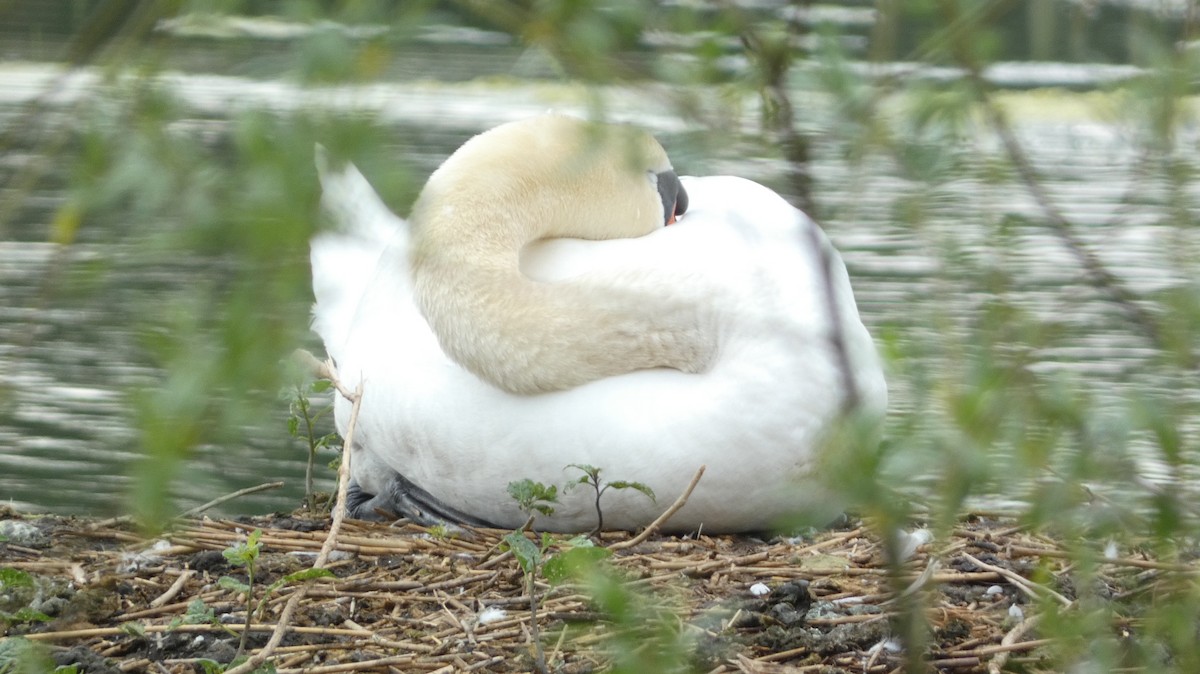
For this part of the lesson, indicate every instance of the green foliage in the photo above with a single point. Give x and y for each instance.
(198, 613)
(533, 496)
(24, 614)
(19, 655)
(302, 423)
(244, 554)
(528, 554)
(17, 587)
(577, 558)
(10, 578)
(591, 477)
(645, 635)
(213, 667)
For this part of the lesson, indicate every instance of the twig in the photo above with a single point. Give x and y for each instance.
(174, 589)
(648, 531)
(996, 664)
(774, 57)
(1099, 275)
(125, 519)
(360, 666)
(339, 514)
(1022, 551)
(90, 632)
(229, 497)
(1021, 584)
(837, 336)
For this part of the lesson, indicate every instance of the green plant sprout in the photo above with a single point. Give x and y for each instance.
(243, 554)
(577, 556)
(302, 413)
(246, 554)
(532, 497)
(199, 613)
(18, 585)
(591, 477)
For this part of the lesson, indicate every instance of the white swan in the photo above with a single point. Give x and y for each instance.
(741, 271)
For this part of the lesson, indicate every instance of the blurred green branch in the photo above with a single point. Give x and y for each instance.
(1097, 273)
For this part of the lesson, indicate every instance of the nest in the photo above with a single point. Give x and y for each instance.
(403, 598)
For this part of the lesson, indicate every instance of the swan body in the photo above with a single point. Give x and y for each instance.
(435, 439)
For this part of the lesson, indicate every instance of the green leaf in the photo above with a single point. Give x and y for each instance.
(198, 613)
(15, 578)
(134, 628)
(574, 563)
(294, 426)
(320, 386)
(23, 615)
(531, 496)
(19, 655)
(210, 666)
(269, 590)
(622, 484)
(527, 553)
(245, 553)
(234, 584)
(590, 472)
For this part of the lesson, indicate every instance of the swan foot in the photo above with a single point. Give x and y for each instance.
(403, 499)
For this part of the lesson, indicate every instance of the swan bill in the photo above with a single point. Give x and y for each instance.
(674, 197)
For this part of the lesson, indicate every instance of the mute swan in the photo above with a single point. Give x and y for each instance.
(736, 285)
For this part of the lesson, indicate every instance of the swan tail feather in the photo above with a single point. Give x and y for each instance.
(345, 254)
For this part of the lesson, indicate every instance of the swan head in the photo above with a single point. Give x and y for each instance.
(555, 176)
(548, 177)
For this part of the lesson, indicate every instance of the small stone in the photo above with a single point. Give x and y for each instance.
(794, 593)
(786, 614)
(21, 533)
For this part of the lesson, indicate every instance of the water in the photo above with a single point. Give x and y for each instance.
(68, 357)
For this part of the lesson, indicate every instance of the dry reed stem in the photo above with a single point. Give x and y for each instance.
(403, 596)
(1028, 587)
(661, 519)
(996, 664)
(174, 590)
